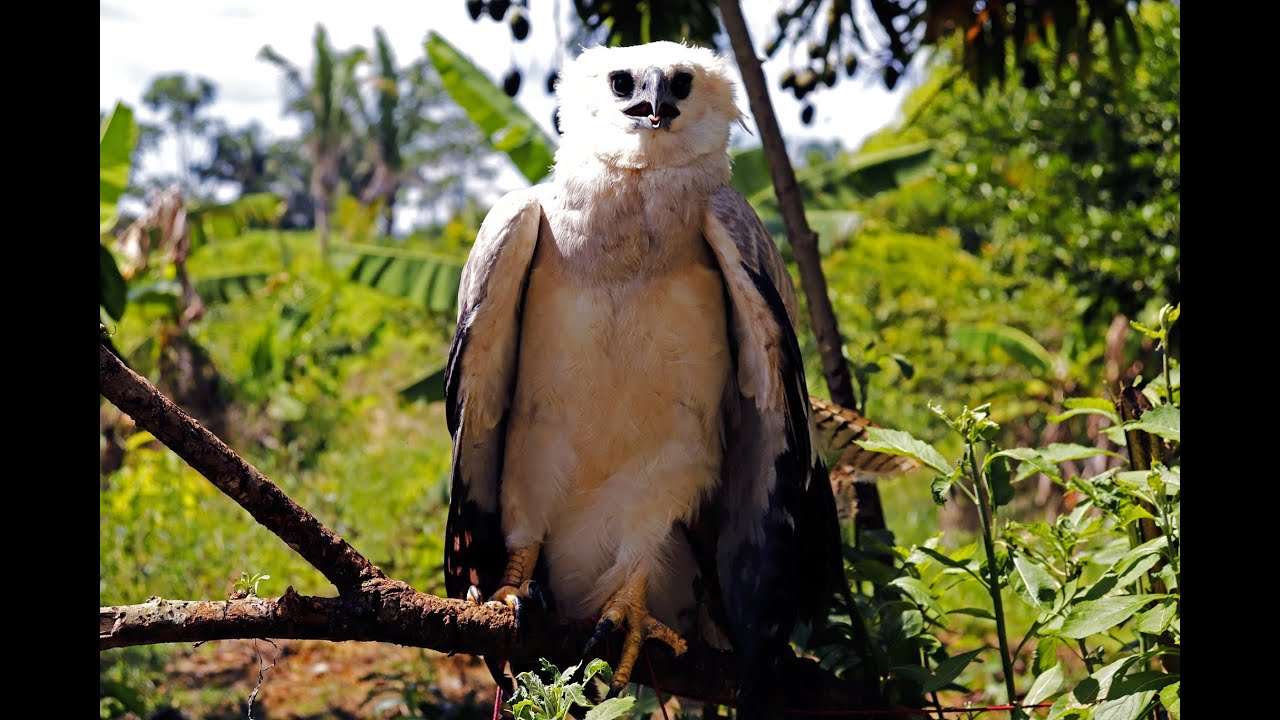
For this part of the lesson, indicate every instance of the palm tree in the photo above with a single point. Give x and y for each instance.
(323, 105)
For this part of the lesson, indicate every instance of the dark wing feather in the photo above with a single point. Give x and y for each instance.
(479, 379)
(778, 554)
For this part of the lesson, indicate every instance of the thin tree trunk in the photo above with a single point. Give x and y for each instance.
(804, 242)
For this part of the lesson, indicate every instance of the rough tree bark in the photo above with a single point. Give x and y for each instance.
(371, 606)
(804, 241)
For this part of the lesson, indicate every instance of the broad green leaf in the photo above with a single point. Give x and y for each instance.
(899, 442)
(1162, 420)
(118, 135)
(1028, 456)
(1129, 707)
(949, 669)
(1095, 616)
(598, 667)
(426, 278)
(920, 593)
(1045, 686)
(940, 489)
(1087, 406)
(973, 612)
(504, 123)
(982, 338)
(1040, 589)
(1001, 487)
(112, 290)
(225, 288)
(1098, 684)
(1046, 653)
(1137, 570)
(1143, 681)
(429, 389)
(751, 171)
(610, 709)
(1171, 698)
(1066, 707)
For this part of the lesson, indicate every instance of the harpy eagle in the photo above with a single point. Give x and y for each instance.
(625, 390)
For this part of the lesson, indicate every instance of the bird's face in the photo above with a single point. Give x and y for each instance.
(657, 105)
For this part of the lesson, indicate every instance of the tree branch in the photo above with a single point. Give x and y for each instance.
(242, 482)
(804, 242)
(389, 611)
(372, 607)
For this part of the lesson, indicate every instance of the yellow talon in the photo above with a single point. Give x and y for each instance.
(627, 606)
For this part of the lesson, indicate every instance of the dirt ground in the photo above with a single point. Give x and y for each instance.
(316, 679)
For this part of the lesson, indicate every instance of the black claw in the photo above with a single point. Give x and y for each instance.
(603, 628)
(518, 607)
(537, 592)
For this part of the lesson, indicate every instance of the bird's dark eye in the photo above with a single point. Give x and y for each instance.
(622, 83)
(681, 84)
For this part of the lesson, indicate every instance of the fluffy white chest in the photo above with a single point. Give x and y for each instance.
(614, 431)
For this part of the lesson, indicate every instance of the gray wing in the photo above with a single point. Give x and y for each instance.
(778, 556)
(479, 380)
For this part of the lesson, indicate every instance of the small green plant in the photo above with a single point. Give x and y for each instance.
(535, 699)
(247, 585)
(1102, 579)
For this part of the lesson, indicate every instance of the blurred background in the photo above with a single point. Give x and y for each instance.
(290, 190)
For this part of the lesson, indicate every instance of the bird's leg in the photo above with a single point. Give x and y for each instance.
(627, 606)
(515, 579)
(517, 587)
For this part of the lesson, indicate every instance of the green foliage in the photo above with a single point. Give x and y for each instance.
(505, 125)
(1078, 179)
(1101, 580)
(248, 584)
(553, 698)
(117, 138)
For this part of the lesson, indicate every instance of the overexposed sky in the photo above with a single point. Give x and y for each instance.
(220, 40)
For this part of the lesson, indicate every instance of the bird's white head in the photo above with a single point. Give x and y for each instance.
(646, 106)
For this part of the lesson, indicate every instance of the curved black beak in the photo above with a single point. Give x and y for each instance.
(656, 106)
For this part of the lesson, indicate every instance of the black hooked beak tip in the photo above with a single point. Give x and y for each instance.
(656, 106)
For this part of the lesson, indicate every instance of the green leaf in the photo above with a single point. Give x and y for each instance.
(112, 290)
(1028, 456)
(226, 288)
(426, 278)
(610, 709)
(899, 442)
(920, 593)
(1162, 420)
(940, 489)
(1098, 684)
(1129, 707)
(1046, 653)
(503, 122)
(983, 338)
(118, 136)
(429, 389)
(598, 667)
(998, 476)
(973, 612)
(949, 669)
(1087, 406)
(1095, 616)
(1171, 699)
(1039, 588)
(1045, 686)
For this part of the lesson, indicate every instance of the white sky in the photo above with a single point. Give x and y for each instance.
(220, 39)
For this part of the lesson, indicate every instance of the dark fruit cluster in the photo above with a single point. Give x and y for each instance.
(517, 14)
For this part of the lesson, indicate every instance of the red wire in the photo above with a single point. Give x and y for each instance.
(653, 679)
(497, 704)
